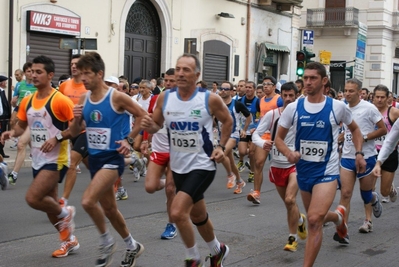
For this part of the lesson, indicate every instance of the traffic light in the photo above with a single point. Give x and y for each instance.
(300, 63)
(348, 72)
(308, 55)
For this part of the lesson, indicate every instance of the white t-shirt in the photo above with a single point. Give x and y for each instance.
(366, 115)
(268, 124)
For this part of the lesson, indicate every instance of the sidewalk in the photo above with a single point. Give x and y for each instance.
(12, 152)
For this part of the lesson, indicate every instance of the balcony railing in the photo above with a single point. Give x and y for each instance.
(332, 17)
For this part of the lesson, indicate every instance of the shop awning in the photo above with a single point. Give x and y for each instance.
(276, 47)
(261, 54)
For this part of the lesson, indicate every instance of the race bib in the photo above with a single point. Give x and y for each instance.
(39, 136)
(98, 138)
(186, 142)
(314, 151)
(277, 155)
(379, 140)
(348, 137)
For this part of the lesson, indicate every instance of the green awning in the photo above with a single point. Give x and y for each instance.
(275, 47)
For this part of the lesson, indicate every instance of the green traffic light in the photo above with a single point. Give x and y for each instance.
(299, 72)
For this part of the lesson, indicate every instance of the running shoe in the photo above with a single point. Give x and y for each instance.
(247, 165)
(143, 170)
(130, 256)
(78, 170)
(367, 227)
(384, 199)
(12, 179)
(66, 225)
(251, 178)
(193, 263)
(121, 194)
(170, 232)
(15, 144)
(393, 195)
(3, 178)
(105, 257)
(231, 181)
(342, 229)
(377, 206)
(254, 197)
(240, 166)
(239, 187)
(217, 260)
(131, 167)
(136, 174)
(340, 240)
(302, 231)
(66, 248)
(236, 154)
(291, 245)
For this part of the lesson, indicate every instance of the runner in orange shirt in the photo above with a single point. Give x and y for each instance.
(270, 101)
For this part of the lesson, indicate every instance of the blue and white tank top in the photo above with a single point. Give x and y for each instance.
(315, 141)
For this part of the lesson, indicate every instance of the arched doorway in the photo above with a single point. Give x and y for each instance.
(142, 42)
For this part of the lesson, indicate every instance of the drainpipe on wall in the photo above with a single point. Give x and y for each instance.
(10, 46)
(248, 35)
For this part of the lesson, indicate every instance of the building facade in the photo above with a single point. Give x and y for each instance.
(234, 39)
(337, 25)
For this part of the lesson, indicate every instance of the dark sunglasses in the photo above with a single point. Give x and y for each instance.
(224, 89)
(134, 87)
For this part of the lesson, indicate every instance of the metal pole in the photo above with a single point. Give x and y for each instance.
(10, 47)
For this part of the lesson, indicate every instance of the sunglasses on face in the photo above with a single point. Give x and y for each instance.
(134, 87)
(224, 89)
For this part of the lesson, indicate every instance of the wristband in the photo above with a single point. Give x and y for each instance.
(223, 147)
(359, 152)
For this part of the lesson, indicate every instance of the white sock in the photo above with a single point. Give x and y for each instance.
(339, 219)
(214, 246)
(15, 174)
(131, 244)
(300, 221)
(64, 213)
(193, 253)
(65, 201)
(106, 239)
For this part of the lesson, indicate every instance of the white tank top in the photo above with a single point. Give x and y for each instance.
(190, 128)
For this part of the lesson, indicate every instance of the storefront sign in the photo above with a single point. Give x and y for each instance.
(53, 23)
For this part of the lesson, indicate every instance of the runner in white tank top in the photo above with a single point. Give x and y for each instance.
(188, 112)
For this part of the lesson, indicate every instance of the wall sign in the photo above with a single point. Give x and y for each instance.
(52, 23)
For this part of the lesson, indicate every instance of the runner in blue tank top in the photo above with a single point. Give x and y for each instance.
(315, 120)
(102, 113)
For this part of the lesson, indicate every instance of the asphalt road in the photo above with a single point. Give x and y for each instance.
(256, 235)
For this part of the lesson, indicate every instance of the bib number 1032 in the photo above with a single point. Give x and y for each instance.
(186, 142)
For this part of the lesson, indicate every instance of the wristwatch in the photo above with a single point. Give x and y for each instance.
(365, 138)
(223, 147)
(59, 137)
(359, 152)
